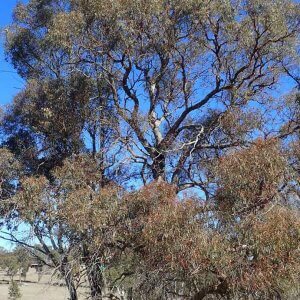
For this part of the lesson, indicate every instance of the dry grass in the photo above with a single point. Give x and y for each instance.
(34, 290)
(39, 291)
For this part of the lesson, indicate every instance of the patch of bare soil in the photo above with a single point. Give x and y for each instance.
(38, 291)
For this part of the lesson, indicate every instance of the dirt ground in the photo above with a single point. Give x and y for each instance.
(44, 287)
(38, 291)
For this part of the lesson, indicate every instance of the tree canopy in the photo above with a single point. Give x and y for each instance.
(154, 149)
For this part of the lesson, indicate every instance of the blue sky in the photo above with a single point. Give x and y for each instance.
(10, 82)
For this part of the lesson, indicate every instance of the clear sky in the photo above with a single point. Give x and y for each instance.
(10, 82)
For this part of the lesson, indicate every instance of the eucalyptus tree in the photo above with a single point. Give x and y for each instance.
(188, 79)
(177, 91)
(59, 113)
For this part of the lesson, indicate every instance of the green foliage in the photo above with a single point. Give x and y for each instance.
(164, 96)
(16, 261)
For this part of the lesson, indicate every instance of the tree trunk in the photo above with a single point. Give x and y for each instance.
(67, 273)
(96, 281)
(221, 289)
(71, 288)
(94, 274)
(158, 167)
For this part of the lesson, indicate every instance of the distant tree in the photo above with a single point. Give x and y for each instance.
(12, 266)
(16, 261)
(24, 260)
(14, 291)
